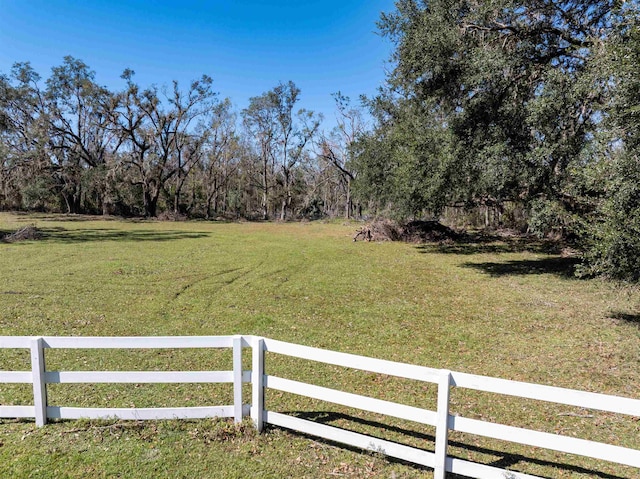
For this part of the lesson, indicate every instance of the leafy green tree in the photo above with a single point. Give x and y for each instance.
(487, 101)
(27, 164)
(406, 165)
(615, 234)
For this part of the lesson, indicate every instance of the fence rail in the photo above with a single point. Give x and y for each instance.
(441, 418)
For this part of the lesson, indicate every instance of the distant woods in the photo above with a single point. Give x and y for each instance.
(519, 114)
(69, 145)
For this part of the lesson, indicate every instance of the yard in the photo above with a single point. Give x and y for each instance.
(509, 309)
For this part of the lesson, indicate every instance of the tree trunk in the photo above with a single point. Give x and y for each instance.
(216, 205)
(208, 212)
(180, 180)
(347, 209)
(265, 210)
(265, 190)
(106, 205)
(66, 202)
(225, 198)
(150, 203)
(176, 200)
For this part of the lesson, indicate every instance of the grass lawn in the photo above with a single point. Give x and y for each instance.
(504, 309)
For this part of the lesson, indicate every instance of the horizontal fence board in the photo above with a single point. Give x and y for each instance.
(571, 445)
(480, 471)
(570, 397)
(16, 377)
(402, 370)
(143, 414)
(401, 411)
(17, 411)
(137, 342)
(392, 449)
(15, 342)
(138, 377)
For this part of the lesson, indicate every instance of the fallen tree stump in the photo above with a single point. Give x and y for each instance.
(365, 232)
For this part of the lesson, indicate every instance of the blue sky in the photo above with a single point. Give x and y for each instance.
(247, 47)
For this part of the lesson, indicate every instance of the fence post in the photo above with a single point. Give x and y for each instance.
(442, 425)
(39, 384)
(257, 380)
(237, 379)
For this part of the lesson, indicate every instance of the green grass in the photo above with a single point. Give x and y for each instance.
(503, 309)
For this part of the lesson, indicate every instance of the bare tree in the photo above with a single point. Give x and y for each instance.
(282, 138)
(335, 147)
(221, 157)
(294, 136)
(260, 119)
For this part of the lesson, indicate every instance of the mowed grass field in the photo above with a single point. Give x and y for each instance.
(506, 309)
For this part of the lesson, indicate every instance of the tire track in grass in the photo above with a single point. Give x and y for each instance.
(204, 277)
(226, 282)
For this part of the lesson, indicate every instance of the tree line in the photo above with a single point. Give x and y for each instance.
(68, 144)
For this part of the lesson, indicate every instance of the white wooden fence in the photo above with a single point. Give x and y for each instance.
(259, 412)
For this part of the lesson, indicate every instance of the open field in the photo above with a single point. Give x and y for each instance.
(503, 309)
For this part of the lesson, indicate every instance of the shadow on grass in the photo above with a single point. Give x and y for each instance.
(482, 243)
(479, 243)
(563, 267)
(506, 460)
(75, 218)
(84, 235)
(629, 318)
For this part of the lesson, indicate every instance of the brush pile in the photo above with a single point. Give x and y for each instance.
(23, 234)
(412, 232)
